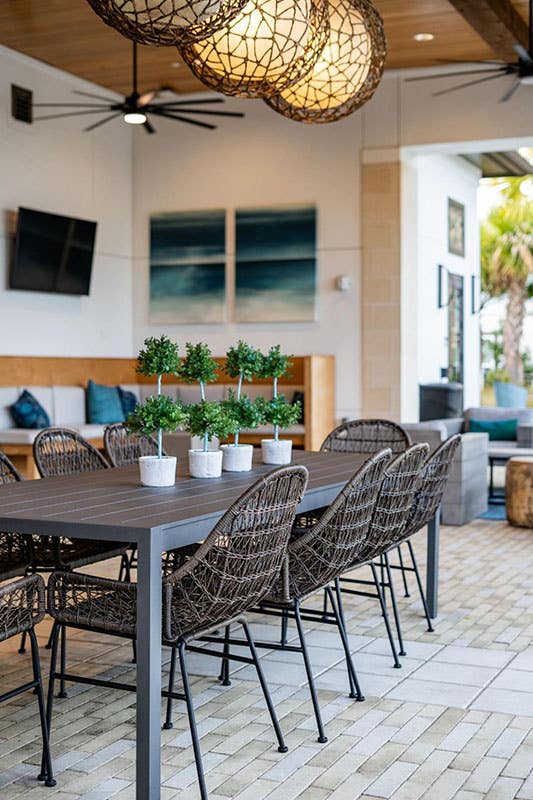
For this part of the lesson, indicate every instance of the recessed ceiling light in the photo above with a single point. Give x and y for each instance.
(424, 37)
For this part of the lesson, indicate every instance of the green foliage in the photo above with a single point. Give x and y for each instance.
(279, 412)
(158, 412)
(243, 361)
(198, 364)
(158, 357)
(247, 414)
(206, 420)
(496, 376)
(274, 364)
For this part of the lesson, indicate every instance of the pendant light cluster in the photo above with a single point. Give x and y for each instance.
(312, 61)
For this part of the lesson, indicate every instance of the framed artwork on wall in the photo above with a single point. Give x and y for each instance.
(456, 228)
(188, 267)
(275, 264)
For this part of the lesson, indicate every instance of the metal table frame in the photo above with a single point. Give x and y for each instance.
(59, 518)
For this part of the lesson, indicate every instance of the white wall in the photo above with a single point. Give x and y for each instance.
(262, 160)
(53, 166)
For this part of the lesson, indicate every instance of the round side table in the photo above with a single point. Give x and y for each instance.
(519, 491)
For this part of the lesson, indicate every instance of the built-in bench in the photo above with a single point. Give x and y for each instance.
(59, 385)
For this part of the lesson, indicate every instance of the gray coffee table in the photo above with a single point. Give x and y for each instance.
(110, 505)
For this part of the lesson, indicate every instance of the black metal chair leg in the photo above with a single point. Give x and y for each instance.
(224, 667)
(284, 627)
(167, 725)
(22, 648)
(394, 605)
(404, 574)
(282, 747)
(382, 576)
(355, 689)
(48, 644)
(134, 651)
(397, 664)
(54, 636)
(192, 722)
(47, 758)
(322, 738)
(340, 606)
(431, 629)
(62, 688)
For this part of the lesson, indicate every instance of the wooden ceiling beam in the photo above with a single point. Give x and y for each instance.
(497, 22)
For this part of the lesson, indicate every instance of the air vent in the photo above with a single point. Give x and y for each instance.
(21, 104)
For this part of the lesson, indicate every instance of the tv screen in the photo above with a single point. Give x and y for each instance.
(52, 253)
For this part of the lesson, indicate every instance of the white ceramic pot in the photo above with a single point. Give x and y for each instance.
(276, 452)
(237, 458)
(158, 471)
(204, 464)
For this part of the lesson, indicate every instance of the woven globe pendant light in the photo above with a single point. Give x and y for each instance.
(166, 22)
(269, 45)
(346, 73)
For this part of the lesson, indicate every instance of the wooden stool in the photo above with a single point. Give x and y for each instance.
(519, 491)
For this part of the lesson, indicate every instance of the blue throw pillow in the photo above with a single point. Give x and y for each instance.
(27, 412)
(502, 430)
(103, 404)
(128, 401)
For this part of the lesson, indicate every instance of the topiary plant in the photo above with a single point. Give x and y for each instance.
(243, 362)
(158, 357)
(279, 412)
(158, 413)
(206, 420)
(274, 365)
(246, 413)
(199, 365)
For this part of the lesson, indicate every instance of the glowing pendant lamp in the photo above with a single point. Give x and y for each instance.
(346, 73)
(166, 22)
(268, 46)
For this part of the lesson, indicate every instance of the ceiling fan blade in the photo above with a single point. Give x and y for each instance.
(507, 96)
(70, 105)
(494, 70)
(470, 61)
(211, 113)
(177, 103)
(177, 117)
(148, 127)
(109, 100)
(102, 121)
(522, 52)
(147, 97)
(73, 114)
(470, 83)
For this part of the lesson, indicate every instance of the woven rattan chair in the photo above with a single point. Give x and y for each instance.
(15, 549)
(21, 608)
(236, 565)
(367, 436)
(389, 520)
(124, 448)
(315, 559)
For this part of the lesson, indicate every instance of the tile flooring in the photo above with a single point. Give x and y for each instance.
(455, 722)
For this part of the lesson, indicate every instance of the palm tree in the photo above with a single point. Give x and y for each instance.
(507, 265)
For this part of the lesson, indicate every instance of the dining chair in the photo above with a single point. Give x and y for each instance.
(367, 436)
(214, 586)
(22, 607)
(123, 448)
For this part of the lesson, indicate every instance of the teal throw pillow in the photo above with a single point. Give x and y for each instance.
(128, 401)
(27, 412)
(502, 430)
(103, 404)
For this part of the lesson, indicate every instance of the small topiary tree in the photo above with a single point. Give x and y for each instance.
(274, 365)
(246, 413)
(279, 413)
(206, 420)
(158, 413)
(244, 363)
(199, 365)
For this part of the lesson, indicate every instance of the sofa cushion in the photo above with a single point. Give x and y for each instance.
(523, 415)
(69, 406)
(8, 396)
(18, 435)
(128, 401)
(190, 394)
(27, 412)
(103, 404)
(149, 389)
(503, 430)
(91, 431)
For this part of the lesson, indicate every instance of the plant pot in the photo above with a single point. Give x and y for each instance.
(237, 458)
(158, 471)
(205, 464)
(276, 451)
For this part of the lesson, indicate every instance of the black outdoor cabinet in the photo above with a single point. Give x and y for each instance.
(440, 400)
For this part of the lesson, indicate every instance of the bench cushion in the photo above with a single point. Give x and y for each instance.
(69, 406)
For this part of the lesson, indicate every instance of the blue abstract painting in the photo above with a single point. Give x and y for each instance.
(275, 264)
(188, 267)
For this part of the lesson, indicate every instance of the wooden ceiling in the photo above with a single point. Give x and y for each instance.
(68, 34)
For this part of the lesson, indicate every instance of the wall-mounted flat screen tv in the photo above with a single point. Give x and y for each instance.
(52, 253)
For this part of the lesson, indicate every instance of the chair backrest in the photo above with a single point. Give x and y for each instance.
(367, 436)
(8, 472)
(124, 448)
(240, 559)
(394, 500)
(332, 545)
(21, 605)
(60, 451)
(431, 485)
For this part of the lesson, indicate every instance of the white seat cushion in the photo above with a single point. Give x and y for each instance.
(18, 436)
(91, 431)
(190, 393)
(69, 406)
(8, 396)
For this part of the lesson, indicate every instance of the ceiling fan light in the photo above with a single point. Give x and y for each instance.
(527, 80)
(135, 118)
(347, 72)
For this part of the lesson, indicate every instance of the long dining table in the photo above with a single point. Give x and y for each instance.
(111, 505)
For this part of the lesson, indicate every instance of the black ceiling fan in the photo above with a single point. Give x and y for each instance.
(135, 108)
(522, 69)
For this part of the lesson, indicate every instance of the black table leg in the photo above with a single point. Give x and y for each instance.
(432, 565)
